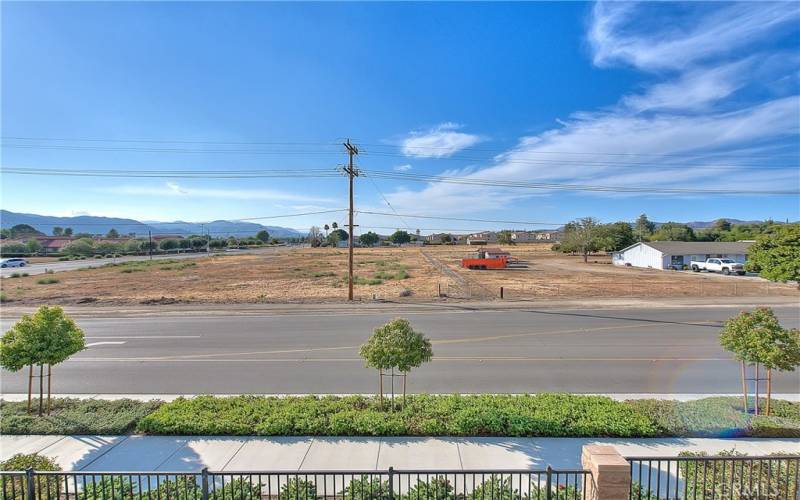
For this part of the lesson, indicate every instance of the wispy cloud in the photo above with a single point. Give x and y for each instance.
(402, 168)
(692, 126)
(173, 189)
(649, 37)
(439, 142)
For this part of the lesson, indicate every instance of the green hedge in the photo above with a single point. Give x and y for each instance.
(555, 415)
(539, 415)
(75, 416)
(719, 417)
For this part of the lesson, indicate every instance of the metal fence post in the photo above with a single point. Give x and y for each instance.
(549, 493)
(391, 483)
(31, 486)
(204, 483)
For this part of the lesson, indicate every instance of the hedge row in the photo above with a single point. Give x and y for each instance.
(554, 415)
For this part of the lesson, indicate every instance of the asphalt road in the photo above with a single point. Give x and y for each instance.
(656, 350)
(72, 265)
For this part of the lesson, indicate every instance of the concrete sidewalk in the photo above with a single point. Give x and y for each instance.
(238, 453)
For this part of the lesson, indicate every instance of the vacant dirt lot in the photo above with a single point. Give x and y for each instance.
(406, 274)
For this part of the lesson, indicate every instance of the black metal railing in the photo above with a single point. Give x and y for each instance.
(391, 484)
(736, 477)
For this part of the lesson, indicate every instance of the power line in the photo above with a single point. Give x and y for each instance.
(375, 185)
(596, 163)
(188, 174)
(462, 219)
(568, 187)
(246, 219)
(178, 141)
(591, 153)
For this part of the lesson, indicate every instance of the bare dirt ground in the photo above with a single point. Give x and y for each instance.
(399, 274)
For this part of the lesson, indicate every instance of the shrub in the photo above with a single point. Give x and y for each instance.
(424, 415)
(3, 297)
(435, 488)
(14, 488)
(75, 416)
(761, 479)
(366, 488)
(47, 281)
(296, 488)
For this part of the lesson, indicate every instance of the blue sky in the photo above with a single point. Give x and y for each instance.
(619, 94)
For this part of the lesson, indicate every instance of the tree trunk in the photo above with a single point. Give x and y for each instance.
(49, 385)
(41, 388)
(30, 386)
(586, 256)
(756, 398)
(769, 388)
(744, 387)
(380, 377)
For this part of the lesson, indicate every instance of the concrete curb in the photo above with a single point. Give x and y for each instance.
(172, 397)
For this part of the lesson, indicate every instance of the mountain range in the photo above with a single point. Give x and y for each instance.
(102, 225)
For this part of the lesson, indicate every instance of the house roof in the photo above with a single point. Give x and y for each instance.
(699, 247)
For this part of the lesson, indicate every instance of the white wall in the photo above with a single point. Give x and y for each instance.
(646, 256)
(640, 256)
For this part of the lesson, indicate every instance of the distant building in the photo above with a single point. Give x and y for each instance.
(676, 254)
(482, 238)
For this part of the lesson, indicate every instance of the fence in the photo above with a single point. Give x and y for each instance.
(391, 484)
(715, 478)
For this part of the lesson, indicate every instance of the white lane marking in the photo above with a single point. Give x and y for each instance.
(92, 344)
(143, 337)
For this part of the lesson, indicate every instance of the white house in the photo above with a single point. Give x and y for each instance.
(676, 254)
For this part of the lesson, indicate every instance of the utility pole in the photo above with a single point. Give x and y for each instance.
(150, 244)
(351, 172)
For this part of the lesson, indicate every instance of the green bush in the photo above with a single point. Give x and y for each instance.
(536, 415)
(75, 416)
(366, 488)
(298, 489)
(47, 281)
(720, 416)
(3, 297)
(14, 488)
(759, 478)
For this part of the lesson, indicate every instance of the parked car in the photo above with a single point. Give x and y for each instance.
(13, 262)
(724, 266)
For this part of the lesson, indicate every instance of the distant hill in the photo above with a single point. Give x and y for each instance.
(101, 225)
(223, 228)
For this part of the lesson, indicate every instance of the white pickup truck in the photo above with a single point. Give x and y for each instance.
(724, 266)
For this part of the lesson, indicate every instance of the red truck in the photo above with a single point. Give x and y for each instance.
(487, 258)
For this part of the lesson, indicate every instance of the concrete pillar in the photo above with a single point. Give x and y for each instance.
(610, 471)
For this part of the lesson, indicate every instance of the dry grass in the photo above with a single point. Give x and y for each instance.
(319, 275)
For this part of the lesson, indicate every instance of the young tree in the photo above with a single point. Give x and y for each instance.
(112, 233)
(396, 345)
(48, 337)
(314, 236)
(673, 231)
(336, 236)
(400, 237)
(758, 338)
(169, 244)
(776, 255)
(644, 227)
(262, 236)
(504, 238)
(58, 231)
(33, 246)
(580, 236)
(369, 239)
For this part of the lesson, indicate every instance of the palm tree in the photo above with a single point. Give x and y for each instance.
(335, 225)
(326, 227)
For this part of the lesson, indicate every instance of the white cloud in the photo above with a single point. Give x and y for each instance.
(402, 168)
(439, 142)
(646, 36)
(688, 128)
(173, 189)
